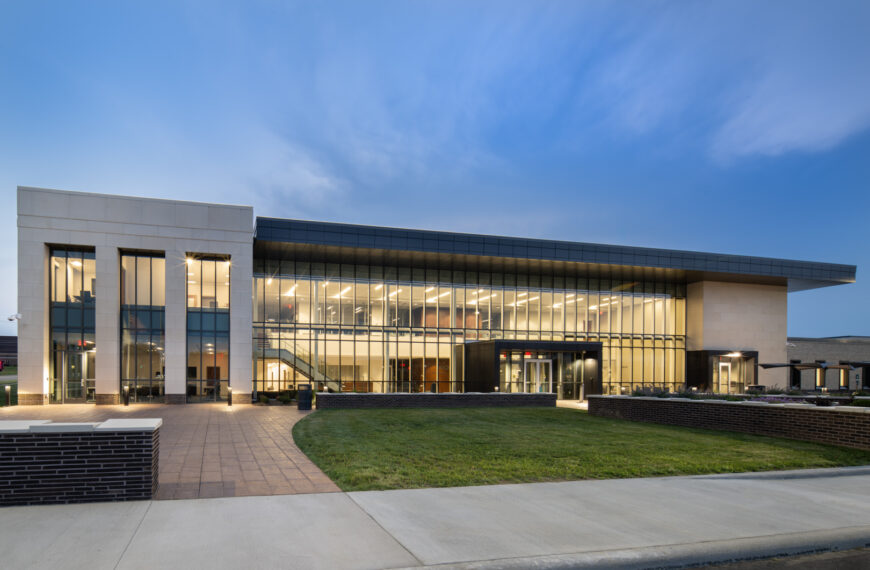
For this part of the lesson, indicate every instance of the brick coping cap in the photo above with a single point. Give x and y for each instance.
(849, 409)
(46, 426)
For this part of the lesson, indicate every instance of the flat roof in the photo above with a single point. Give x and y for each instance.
(284, 238)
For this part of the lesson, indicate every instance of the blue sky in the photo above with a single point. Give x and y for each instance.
(734, 127)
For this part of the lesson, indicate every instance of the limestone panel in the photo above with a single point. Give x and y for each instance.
(112, 224)
(742, 317)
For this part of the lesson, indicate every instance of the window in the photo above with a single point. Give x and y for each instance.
(143, 325)
(72, 300)
(208, 326)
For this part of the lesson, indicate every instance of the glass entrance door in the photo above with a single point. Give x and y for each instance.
(538, 376)
(725, 377)
(76, 383)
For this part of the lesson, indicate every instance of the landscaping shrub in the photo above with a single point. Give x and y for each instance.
(263, 399)
(284, 398)
(862, 403)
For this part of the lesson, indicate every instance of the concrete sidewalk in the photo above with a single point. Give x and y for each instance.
(627, 523)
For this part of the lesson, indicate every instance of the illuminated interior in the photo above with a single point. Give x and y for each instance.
(368, 329)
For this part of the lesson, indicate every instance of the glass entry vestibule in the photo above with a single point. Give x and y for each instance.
(721, 371)
(568, 369)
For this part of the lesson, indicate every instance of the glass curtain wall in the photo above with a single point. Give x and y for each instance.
(208, 328)
(143, 329)
(382, 329)
(72, 300)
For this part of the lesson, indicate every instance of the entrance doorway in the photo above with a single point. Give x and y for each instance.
(725, 377)
(538, 376)
(72, 380)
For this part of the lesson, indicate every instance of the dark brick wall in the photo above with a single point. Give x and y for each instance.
(32, 399)
(107, 399)
(78, 467)
(425, 400)
(819, 424)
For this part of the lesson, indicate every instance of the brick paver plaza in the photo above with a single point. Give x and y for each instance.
(211, 450)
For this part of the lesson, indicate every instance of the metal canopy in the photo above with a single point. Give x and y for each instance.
(278, 237)
(810, 365)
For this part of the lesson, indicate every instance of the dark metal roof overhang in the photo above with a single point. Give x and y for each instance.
(345, 243)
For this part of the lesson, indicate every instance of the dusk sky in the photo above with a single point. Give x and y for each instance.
(731, 127)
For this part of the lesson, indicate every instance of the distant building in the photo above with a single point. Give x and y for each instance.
(9, 350)
(832, 350)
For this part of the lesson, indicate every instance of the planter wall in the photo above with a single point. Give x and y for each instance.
(45, 463)
(837, 425)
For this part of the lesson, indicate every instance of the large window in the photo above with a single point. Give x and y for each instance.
(72, 299)
(208, 328)
(143, 312)
(382, 329)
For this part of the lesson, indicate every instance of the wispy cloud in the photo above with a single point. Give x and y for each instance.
(748, 78)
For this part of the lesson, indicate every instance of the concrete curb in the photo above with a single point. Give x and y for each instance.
(687, 555)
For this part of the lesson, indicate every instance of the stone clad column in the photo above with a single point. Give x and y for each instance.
(108, 323)
(33, 326)
(176, 327)
(241, 317)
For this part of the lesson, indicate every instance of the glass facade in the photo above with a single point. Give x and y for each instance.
(380, 329)
(143, 329)
(208, 328)
(72, 301)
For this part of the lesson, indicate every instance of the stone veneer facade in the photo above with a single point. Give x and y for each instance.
(740, 316)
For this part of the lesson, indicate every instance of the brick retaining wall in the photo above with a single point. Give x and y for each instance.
(327, 400)
(838, 425)
(45, 467)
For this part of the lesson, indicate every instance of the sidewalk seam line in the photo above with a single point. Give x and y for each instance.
(374, 520)
(135, 532)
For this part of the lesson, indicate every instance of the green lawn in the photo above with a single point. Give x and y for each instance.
(13, 393)
(9, 371)
(401, 449)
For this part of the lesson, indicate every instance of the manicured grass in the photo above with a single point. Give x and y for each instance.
(9, 371)
(401, 449)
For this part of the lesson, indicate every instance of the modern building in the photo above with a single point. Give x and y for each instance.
(181, 302)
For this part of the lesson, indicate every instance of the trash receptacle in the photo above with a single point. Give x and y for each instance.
(303, 397)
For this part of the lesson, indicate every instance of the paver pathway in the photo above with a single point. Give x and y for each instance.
(211, 450)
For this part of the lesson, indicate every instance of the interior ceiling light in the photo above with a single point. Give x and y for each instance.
(428, 289)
